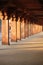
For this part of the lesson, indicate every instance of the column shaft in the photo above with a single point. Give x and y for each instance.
(13, 31)
(22, 29)
(5, 38)
(18, 29)
(26, 29)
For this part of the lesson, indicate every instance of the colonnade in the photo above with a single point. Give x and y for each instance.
(19, 29)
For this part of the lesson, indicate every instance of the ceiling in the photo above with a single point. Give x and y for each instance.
(29, 7)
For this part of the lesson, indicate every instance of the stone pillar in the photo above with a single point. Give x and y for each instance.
(18, 29)
(40, 28)
(29, 33)
(36, 28)
(26, 29)
(31, 28)
(5, 35)
(40, 24)
(13, 30)
(23, 28)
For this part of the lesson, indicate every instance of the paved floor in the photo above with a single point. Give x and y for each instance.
(28, 52)
(21, 57)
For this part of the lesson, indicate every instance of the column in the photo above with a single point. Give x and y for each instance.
(31, 28)
(5, 35)
(13, 30)
(29, 33)
(40, 28)
(34, 28)
(23, 29)
(26, 28)
(18, 29)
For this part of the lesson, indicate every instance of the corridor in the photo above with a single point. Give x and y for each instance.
(21, 32)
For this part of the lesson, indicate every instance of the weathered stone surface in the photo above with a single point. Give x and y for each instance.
(5, 36)
(13, 30)
(18, 29)
(23, 29)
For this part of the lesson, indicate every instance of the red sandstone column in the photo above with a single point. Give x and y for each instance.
(29, 29)
(13, 30)
(37, 28)
(34, 28)
(40, 28)
(23, 28)
(26, 28)
(5, 37)
(18, 29)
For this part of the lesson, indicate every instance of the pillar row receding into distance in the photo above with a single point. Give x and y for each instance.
(19, 29)
(36, 28)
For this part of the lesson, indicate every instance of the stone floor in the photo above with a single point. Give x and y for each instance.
(24, 52)
(21, 57)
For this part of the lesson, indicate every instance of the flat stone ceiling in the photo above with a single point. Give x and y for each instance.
(34, 7)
